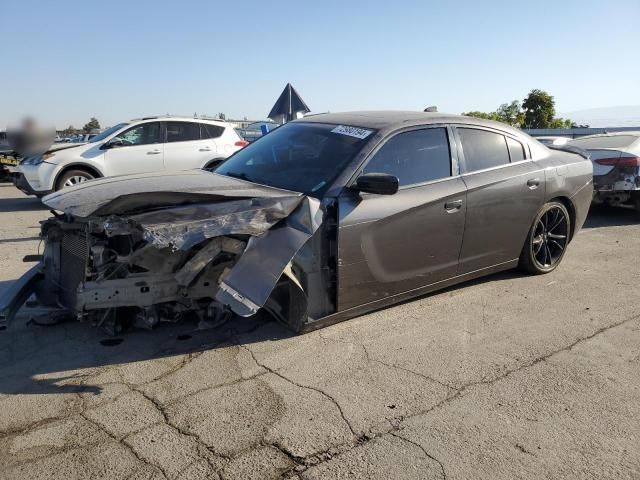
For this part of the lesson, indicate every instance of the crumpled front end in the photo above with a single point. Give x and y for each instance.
(202, 259)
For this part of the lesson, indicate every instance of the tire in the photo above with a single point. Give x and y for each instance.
(635, 200)
(547, 240)
(71, 178)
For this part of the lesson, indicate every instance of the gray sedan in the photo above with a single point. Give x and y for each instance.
(325, 218)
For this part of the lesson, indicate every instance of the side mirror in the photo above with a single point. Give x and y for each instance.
(379, 183)
(114, 143)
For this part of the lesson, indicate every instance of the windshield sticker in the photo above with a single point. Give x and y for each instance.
(352, 131)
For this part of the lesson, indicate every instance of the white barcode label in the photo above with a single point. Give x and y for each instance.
(352, 131)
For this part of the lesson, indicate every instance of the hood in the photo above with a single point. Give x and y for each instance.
(56, 147)
(149, 191)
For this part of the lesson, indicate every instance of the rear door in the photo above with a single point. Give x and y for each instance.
(505, 190)
(184, 148)
(140, 151)
(390, 244)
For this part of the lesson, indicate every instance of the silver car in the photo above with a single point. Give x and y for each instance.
(616, 166)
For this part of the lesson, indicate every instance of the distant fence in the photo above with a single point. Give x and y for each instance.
(576, 132)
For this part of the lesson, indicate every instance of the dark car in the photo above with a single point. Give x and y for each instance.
(323, 219)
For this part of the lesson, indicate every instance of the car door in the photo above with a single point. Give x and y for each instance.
(184, 148)
(390, 244)
(505, 190)
(136, 150)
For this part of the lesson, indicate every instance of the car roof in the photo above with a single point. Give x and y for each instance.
(178, 118)
(389, 120)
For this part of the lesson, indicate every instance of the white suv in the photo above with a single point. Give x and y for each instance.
(149, 145)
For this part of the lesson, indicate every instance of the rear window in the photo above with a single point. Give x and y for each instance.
(516, 150)
(483, 149)
(210, 131)
(614, 141)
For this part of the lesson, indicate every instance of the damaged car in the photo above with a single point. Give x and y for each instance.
(325, 218)
(616, 167)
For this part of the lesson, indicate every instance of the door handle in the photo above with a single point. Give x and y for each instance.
(154, 152)
(533, 183)
(453, 206)
(205, 149)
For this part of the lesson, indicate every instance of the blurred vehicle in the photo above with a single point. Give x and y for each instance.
(6, 159)
(253, 131)
(553, 140)
(151, 144)
(616, 166)
(4, 143)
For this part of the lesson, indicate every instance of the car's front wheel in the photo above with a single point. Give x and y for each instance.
(547, 240)
(72, 178)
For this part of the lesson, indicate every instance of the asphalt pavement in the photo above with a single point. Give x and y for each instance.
(510, 376)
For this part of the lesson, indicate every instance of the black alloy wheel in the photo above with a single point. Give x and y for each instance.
(548, 239)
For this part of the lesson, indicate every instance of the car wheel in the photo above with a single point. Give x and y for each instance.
(636, 201)
(73, 178)
(547, 240)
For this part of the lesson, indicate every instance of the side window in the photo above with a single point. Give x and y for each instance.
(516, 150)
(414, 157)
(182, 131)
(483, 149)
(210, 131)
(144, 134)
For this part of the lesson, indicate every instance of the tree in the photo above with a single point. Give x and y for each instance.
(70, 130)
(222, 116)
(485, 115)
(539, 109)
(93, 124)
(563, 123)
(511, 114)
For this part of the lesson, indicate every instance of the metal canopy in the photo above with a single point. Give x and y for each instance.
(289, 103)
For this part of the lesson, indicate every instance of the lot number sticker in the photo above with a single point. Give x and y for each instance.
(352, 131)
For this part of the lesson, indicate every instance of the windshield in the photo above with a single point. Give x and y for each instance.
(107, 132)
(303, 157)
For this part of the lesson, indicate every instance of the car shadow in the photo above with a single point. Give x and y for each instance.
(38, 359)
(18, 204)
(602, 216)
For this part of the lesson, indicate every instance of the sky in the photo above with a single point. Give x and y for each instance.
(66, 61)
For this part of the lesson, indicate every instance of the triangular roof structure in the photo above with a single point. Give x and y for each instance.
(289, 103)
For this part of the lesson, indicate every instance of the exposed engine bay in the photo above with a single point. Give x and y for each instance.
(168, 256)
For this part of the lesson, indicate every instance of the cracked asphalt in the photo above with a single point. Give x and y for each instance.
(507, 377)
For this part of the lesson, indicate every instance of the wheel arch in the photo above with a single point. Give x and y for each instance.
(566, 201)
(208, 163)
(77, 166)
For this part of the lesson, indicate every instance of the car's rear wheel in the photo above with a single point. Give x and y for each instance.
(72, 178)
(547, 240)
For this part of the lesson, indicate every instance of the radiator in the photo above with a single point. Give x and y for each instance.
(74, 254)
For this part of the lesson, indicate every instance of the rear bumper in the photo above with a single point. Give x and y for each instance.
(619, 179)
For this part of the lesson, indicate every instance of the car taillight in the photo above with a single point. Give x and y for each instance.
(241, 143)
(620, 161)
